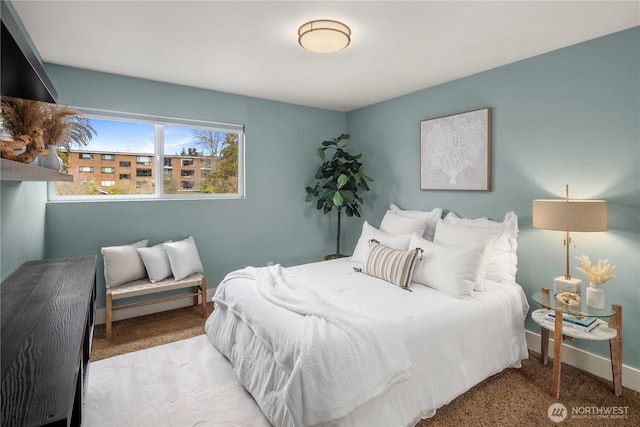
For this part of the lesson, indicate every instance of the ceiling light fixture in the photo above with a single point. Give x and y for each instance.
(324, 36)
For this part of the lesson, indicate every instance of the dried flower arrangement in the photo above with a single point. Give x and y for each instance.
(598, 273)
(60, 125)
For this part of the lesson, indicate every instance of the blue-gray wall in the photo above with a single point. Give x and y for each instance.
(22, 229)
(567, 117)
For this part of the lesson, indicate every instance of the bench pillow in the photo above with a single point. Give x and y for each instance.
(122, 264)
(156, 261)
(184, 258)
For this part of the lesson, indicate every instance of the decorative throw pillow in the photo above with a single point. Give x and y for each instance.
(400, 241)
(394, 223)
(449, 269)
(156, 261)
(122, 264)
(466, 236)
(431, 217)
(184, 258)
(503, 264)
(391, 265)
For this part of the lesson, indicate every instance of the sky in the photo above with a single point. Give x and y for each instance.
(135, 137)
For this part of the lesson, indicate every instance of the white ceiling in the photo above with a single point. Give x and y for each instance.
(250, 47)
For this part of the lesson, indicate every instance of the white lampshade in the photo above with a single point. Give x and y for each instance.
(324, 36)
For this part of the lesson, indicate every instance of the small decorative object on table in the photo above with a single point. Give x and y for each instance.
(569, 298)
(597, 275)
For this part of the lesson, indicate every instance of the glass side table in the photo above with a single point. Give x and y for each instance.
(610, 331)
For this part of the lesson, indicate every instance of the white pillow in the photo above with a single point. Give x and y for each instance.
(467, 236)
(156, 261)
(184, 258)
(449, 269)
(122, 264)
(503, 264)
(431, 218)
(394, 241)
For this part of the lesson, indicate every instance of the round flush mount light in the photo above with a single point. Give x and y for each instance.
(324, 36)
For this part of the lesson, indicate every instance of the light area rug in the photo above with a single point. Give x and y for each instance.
(184, 383)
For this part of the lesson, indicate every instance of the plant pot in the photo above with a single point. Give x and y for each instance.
(334, 256)
(595, 295)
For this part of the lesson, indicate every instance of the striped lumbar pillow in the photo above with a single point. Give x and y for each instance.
(392, 265)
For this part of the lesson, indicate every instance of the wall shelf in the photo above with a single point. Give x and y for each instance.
(16, 171)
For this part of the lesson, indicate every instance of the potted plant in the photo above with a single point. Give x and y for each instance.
(340, 178)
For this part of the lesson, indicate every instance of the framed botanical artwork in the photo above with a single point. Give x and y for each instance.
(455, 152)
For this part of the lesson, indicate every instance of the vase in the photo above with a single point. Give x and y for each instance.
(595, 295)
(51, 160)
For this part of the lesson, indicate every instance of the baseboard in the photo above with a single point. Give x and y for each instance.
(148, 309)
(592, 363)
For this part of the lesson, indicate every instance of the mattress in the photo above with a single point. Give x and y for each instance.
(453, 344)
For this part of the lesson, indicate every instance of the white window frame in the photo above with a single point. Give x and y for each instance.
(158, 158)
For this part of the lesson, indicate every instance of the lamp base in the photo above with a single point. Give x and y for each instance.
(560, 284)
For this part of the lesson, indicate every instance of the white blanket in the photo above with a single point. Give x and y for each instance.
(345, 358)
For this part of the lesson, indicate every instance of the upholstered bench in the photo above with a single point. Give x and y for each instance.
(196, 281)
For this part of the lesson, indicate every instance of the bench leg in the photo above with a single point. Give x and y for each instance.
(203, 296)
(108, 314)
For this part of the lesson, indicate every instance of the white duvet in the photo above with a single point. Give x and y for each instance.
(452, 344)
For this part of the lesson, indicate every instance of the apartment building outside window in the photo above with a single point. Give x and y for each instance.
(154, 157)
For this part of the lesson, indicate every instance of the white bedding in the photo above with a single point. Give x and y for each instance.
(453, 344)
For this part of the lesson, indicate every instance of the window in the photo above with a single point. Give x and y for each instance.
(157, 157)
(143, 160)
(107, 183)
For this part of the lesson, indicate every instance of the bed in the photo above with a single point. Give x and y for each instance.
(425, 345)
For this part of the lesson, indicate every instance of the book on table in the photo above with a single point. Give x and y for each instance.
(583, 323)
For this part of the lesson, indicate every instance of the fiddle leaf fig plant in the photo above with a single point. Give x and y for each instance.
(340, 179)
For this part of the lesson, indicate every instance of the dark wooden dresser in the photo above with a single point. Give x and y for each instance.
(48, 310)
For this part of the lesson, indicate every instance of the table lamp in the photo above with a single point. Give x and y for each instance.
(569, 215)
